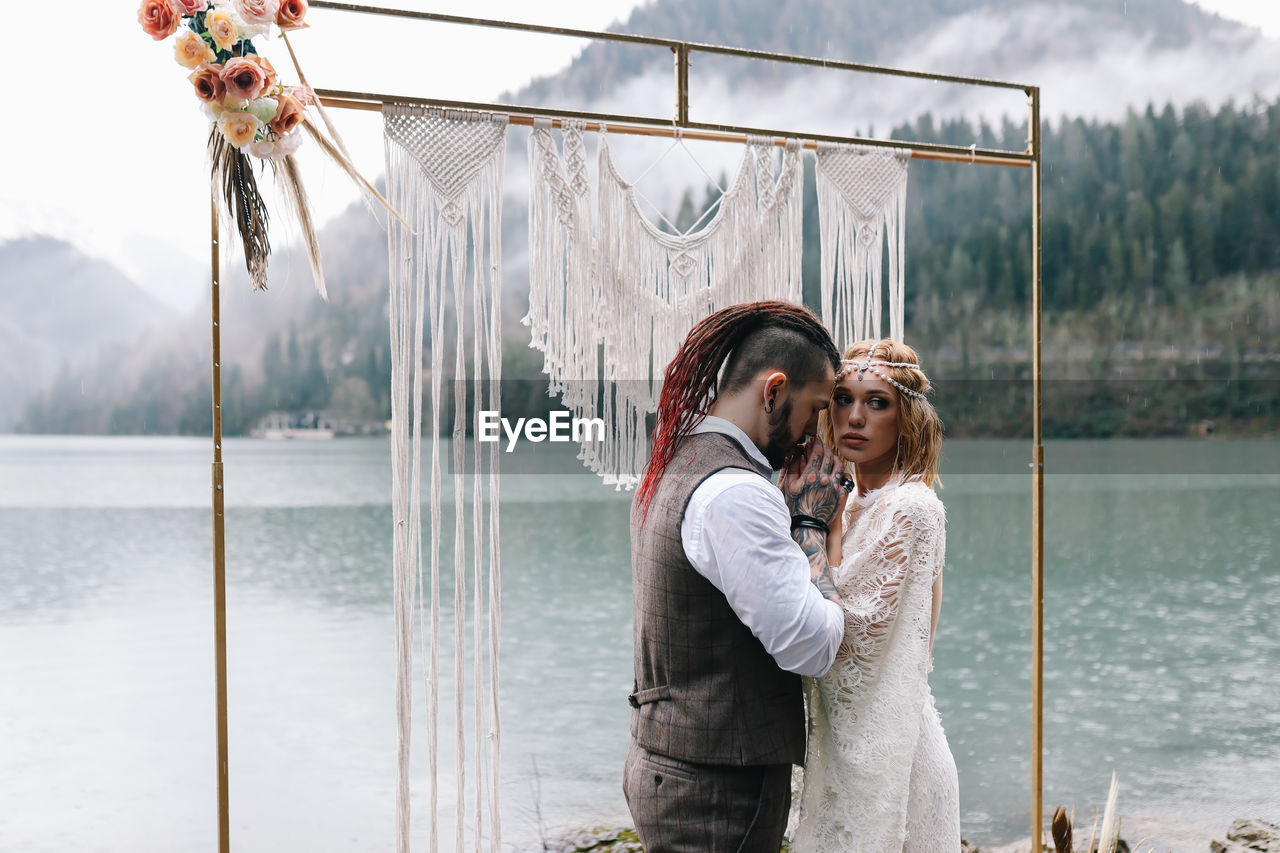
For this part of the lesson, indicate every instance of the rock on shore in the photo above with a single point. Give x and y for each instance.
(1249, 836)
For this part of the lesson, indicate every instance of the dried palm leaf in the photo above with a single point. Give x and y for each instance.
(1061, 828)
(232, 174)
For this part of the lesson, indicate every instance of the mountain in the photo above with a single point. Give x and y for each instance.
(58, 306)
(1156, 221)
(875, 32)
(1092, 59)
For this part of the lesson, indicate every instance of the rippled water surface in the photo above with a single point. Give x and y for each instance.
(1162, 648)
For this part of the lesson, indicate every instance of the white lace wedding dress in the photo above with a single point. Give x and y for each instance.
(879, 776)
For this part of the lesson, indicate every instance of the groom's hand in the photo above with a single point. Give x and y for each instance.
(810, 483)
(811, 486)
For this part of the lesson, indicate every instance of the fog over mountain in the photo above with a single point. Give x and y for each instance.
(1091, 58)
(58, 307)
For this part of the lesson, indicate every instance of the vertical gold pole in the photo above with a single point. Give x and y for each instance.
(682, 84)
(219, 552)
(1037, 498)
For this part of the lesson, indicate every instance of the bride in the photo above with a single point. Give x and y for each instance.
(879, 775)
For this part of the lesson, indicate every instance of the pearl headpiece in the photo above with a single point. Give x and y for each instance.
(872, 364)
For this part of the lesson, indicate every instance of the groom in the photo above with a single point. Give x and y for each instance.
(732, 592)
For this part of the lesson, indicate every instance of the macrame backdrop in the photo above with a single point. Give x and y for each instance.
(609, 313)
(444, 174)
(657, 285)
(862, 200)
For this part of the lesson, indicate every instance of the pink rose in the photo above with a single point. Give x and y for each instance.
(159, 18)
(268, 71)
(258, 11)
(305, 95)
(208, 82)
(291, 14)
(191, 7)
(288, 114)
(245, 79)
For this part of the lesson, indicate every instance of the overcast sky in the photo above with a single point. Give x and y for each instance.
(107, 146)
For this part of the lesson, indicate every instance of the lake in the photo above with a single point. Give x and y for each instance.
(1161, 654)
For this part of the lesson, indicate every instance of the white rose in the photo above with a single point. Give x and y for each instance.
(264, 148)
(263, 108)
(290, 142)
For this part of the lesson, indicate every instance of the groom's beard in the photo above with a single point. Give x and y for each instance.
(781, 443)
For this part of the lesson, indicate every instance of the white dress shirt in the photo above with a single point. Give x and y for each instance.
(736, 534)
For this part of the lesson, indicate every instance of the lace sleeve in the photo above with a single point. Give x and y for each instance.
(908, 544)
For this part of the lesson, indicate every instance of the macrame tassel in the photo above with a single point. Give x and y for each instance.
(657, 285)
(444, 172)
(862, 198)
(564, 292)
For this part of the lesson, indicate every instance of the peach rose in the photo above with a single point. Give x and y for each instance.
(191, 7)
(239, 127)
(244, 78)
(208, 82)
(159, 18)
(291, 14)
(288, 114)
(258, 12)
(222, 28)
(191, 51)
(305, 95)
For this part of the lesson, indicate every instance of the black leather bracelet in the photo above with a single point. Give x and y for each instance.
(809, 521)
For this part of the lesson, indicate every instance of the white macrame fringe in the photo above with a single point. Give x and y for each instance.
(862, 198)
(615, 305)
(564, 291)
(444, 172)
(654, 286)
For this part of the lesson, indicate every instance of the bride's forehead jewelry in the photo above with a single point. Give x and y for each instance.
(874, 365)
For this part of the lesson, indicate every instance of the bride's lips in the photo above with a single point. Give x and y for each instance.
(853, 438)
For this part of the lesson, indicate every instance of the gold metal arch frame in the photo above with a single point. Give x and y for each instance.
(669, 126)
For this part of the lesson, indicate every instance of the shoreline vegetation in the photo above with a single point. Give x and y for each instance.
(1119, 369)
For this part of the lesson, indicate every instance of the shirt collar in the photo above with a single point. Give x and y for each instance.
(715, 423)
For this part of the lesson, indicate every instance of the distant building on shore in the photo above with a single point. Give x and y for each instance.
(315, 425)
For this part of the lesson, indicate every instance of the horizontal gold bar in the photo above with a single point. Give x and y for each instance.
(646, 126)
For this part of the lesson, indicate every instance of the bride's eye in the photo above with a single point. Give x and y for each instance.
(877, 402)
(843, 399)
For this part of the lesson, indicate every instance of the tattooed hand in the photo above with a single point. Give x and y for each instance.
(811, 482)
(811, 485)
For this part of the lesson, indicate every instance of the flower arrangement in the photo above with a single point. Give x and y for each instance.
(252, 113)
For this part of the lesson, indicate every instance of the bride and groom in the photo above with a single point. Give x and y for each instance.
(754, 602)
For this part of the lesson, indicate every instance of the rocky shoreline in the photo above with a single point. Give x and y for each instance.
(1243, 836)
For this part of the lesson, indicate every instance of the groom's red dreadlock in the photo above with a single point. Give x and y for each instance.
(779, 332)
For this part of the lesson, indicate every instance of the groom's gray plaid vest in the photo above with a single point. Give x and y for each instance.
(706, 691)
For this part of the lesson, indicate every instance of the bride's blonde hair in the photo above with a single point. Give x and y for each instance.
(919, 427)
